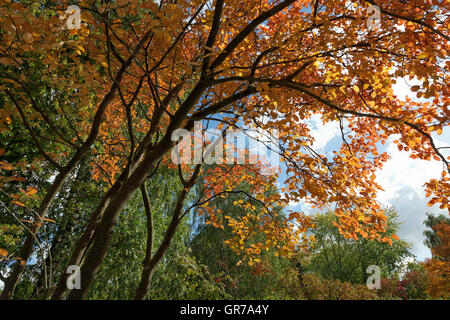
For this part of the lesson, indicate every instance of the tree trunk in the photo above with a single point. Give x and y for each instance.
(151, 264)
(85, 240)
(27, 247)
(146, 160)
(105, 229)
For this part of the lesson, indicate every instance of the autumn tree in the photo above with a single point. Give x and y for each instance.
(242, 278)
(438, 268)
(114, 90)
(335, 257)
(431, 237)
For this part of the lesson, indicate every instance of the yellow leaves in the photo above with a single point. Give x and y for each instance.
(104, 64)
(353, 161)
(79, 49)
(423, 55)
(436, 129)
(356, 88)
(410, 25)
(3, 252)
(411, 143)
(371, 103)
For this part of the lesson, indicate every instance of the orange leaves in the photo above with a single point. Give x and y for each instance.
(388, 240)
(440, 189)
(438, 268)
(6, 166)
(3, 252)
(19, 203)
(19, 199)
(336, 73)
(31, 191)
(256, 217)
(415, 88)
(38, 222)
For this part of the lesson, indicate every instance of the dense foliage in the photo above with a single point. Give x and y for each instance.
(94, 95)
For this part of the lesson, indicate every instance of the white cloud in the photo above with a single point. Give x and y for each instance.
(403, 178)
(323, 133)
(401, 171)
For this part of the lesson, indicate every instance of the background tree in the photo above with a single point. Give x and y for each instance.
(334, 256)
(241, 280)
(431, 238)
(438, 268)
(178, 276)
